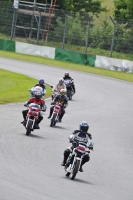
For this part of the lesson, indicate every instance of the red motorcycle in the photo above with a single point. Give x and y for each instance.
(32, 117)
(56, 113)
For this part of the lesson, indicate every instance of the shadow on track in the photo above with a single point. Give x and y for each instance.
(34, 136)
(79, 181)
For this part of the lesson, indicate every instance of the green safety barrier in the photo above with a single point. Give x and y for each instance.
(70, 56)
(91, 60)
(7, 45)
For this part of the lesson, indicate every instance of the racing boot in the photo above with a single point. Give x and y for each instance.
(60, 120)
(60, 117)
(81, 169)
(50, 114)
(36, 126)
(82, 163)
(23, 122)
(66, 154)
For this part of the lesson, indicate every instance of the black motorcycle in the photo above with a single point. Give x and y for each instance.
(69, 88)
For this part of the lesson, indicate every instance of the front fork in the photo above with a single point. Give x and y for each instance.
(76, 158)
(57, 116)
(70, 167)
(33, 122)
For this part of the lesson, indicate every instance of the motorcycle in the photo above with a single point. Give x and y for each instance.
(74, 160)
(54, 93)
(69, 88)
(55, 115)
(32, 116)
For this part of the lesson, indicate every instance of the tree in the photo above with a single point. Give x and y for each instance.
(130, 9)
(123, 9)
(76, 31)
(93, 6)
(89, 6)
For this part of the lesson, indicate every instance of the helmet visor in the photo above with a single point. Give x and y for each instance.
(84, 128)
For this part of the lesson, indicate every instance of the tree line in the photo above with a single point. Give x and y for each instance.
(78, 13)
(122, 8)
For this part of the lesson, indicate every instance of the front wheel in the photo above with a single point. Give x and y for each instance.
(75, 169)
(29, 126)
(53, 122)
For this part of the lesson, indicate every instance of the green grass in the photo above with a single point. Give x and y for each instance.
(68, 65)
(14, 87)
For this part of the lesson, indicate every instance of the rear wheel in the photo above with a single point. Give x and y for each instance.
(75, 169)
(29, 126)
(53, 122)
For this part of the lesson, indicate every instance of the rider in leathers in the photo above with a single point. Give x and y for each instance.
(60, 99)
(67, 77)
(37, 100)
(79, 136)
(41, 84)
(60, 85)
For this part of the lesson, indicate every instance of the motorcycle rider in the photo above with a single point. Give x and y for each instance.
(78, 136)
(61, 98)
(60, 85)
(37, 100)
(67, 77)
(41, 84)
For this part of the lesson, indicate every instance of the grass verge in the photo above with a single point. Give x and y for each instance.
(68, 65)
(14, 87)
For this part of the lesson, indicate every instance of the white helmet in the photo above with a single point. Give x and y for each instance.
(61, 81)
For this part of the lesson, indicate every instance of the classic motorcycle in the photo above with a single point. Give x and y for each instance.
(32, 116)
(74, 160)
(54, 93)
(69, 88)
(56, 113)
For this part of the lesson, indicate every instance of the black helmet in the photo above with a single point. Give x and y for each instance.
(38, 95)
(84, 126)
(66, 74)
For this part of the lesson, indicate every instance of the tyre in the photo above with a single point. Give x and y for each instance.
(75, 169)
(53, 122)
(28, 129)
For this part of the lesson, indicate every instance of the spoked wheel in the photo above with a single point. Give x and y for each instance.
(53, 122)
(75, 169)
(28, 129)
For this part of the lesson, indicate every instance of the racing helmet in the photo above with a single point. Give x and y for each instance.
(84, 126)
(66, 74)
(38, 95)
(62, 92)
(41, 81)
(61, 81)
